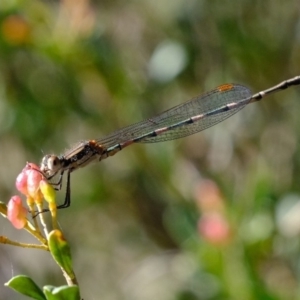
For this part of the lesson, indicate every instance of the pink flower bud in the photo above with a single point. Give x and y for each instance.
(22, 179)
(16, 213)
(33, 182)
(214, 228)
(21, 183)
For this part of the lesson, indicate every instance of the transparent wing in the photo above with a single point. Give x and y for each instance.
(208, 104)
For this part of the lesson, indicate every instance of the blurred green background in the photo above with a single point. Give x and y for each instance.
(213, 216)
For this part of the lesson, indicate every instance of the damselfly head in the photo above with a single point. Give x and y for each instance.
(50, 165)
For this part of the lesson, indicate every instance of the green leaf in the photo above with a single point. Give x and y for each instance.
(26, 286)
(60, 251)
(62, 293)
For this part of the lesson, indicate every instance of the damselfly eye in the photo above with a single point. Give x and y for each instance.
(50, 164)
(53, 163)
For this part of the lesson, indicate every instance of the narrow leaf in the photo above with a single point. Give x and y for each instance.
(26, 286)
(62, 293)
(60, 251)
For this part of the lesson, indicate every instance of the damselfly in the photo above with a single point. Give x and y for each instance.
(182, 120)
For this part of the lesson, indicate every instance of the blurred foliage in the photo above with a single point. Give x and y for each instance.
(212, 216)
